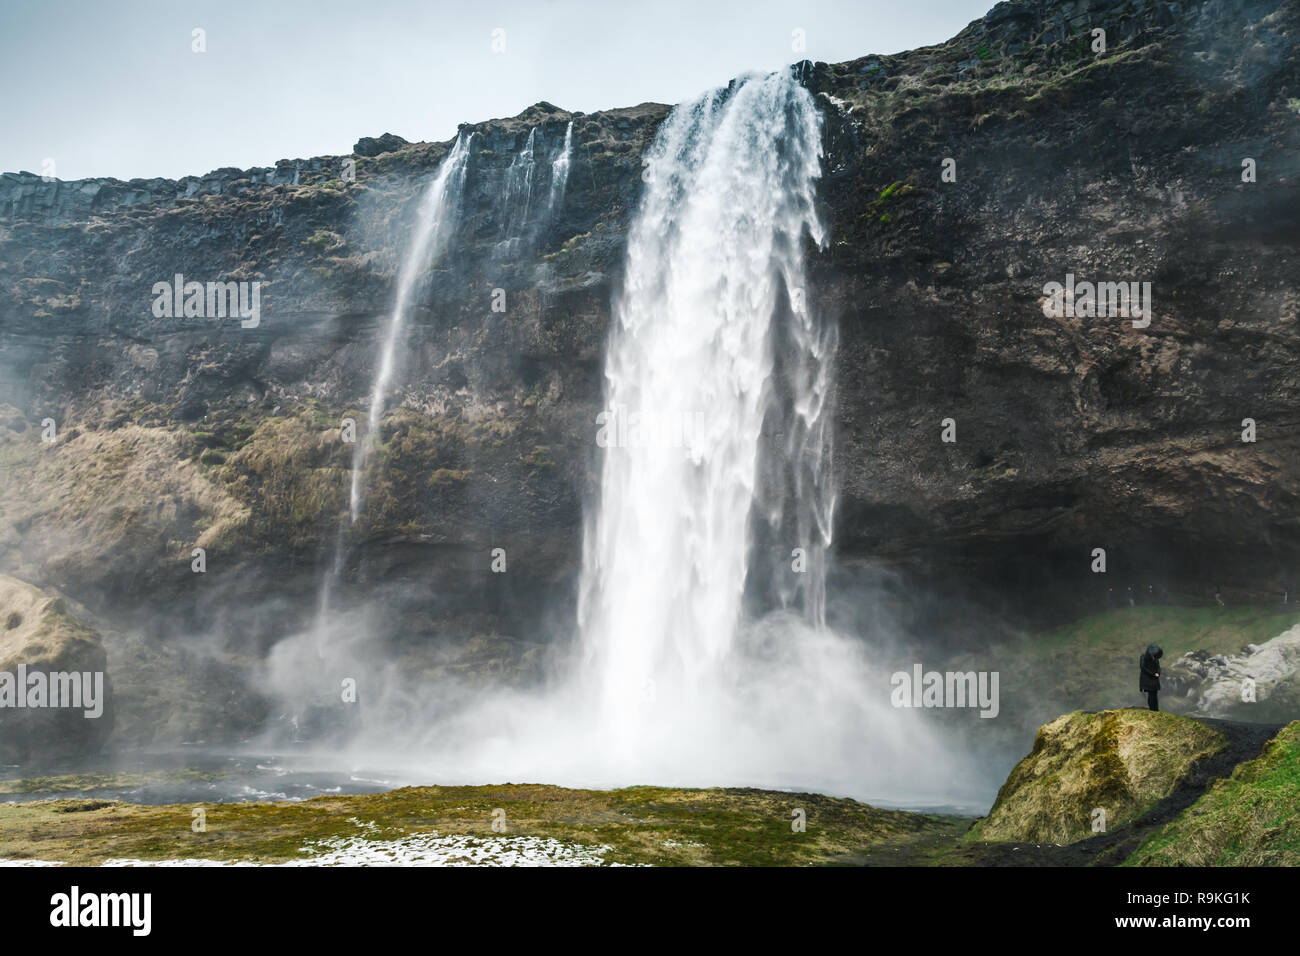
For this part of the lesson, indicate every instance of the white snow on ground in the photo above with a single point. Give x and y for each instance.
(426, 849)
(4, 862)
(420, 849)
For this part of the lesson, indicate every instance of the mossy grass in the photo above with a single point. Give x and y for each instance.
(646, 825)
(1248, 819)
(1121, 762)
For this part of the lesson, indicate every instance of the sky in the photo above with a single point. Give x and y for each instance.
(116, 88)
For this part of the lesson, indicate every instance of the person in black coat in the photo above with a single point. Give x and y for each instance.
(1149, 682)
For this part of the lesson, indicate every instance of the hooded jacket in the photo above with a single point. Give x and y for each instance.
(1150, 668)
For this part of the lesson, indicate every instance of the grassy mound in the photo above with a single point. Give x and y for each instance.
(38, 632)
(646, 825)
(1248, 819)
(1121, 761)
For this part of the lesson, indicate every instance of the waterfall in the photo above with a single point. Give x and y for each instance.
(517, 197)
(702, 656)
(560, 171)
(527, 200)
(438, 211)
(714, 255)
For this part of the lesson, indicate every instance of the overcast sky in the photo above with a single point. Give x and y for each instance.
(113, 87)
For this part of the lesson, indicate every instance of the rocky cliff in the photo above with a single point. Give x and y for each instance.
(959, 181)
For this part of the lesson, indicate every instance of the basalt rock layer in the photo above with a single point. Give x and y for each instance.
(129, 440)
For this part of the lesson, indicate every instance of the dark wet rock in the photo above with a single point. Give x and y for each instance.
(374, 145)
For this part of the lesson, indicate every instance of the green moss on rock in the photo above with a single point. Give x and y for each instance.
(1121, 761)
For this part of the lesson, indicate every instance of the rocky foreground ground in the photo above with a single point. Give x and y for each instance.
(1176, 791)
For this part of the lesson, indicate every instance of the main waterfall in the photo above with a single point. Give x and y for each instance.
(704, 653)
(714, 255)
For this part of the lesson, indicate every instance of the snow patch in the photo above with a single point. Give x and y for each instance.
(421, 849)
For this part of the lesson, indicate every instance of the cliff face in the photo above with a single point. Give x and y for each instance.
(175, 433)
(1072, 433)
